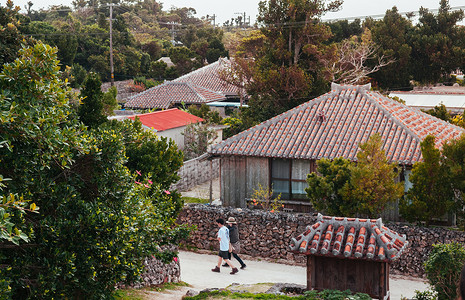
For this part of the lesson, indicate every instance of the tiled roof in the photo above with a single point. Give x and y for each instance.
(334, 124)
(167, 119)
(165, 95)
(209, 77)
(350, 238)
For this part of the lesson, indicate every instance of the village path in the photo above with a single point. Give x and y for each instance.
(195, 268)
(196, 271)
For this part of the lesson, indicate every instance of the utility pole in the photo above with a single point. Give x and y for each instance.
(172, 30)
(111, 45)
(213, 18)
(243, 20)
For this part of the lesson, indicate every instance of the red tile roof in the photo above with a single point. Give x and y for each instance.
(167, 119)
(334, 124)
(350, 238)
(209, 77)
(165, 95)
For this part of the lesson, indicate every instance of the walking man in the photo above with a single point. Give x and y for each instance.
(231, 224)
(223, 238)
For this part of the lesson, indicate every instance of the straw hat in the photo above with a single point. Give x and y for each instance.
(231, 220)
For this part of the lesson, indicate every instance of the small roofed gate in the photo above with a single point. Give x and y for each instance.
(349, 254)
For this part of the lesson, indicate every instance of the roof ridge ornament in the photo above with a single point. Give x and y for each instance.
(360, 88)
(321, 116)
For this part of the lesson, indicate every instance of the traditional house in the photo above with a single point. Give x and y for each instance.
(349, 254)
(169, 123)
(201, 86)
(280, 152)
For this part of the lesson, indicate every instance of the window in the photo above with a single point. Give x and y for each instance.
(288, 178)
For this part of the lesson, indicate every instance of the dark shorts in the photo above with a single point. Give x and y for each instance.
(223, 254)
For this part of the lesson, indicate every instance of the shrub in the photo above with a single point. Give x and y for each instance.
(263, 198)
(443, 269)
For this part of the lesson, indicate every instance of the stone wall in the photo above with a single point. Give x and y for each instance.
(267, 235)
(157, 272)
(195, 172)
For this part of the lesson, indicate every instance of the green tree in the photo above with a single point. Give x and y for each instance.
(325, 189)
(454, 157)
(282, 64)
(373, 180)
(157, 158)
(109, 101)
(440, 111)
(431, 195)
(96, 224)
(342, 30)
(91, 110)
(391, 36)
(184, 59)
(443, 269)
(436, 43)
(11, 36)
(197, 138)
(204, 112)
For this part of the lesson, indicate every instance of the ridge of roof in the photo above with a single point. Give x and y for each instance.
(199, 70)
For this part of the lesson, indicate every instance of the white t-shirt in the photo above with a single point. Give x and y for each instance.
(223, 234)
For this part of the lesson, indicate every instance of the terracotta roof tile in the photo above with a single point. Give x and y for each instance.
(165, 95)
(354, 238)
(209, 77)
(334, 125)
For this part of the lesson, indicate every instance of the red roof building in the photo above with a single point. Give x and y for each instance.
(169, 123)
(349, 253)
(167, 119)
(280, 152)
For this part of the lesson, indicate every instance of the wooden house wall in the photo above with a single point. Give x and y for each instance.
(239, 177)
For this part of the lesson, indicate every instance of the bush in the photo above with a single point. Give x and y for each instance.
(97, 220)
(443, 269)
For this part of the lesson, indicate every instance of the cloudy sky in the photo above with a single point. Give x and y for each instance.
(227, 9)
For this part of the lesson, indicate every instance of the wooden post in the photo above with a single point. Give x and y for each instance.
(309, 273)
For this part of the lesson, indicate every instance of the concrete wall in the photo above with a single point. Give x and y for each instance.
(195, 172)
(267, 235)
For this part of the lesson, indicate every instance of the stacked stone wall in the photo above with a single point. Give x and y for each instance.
(266, 235)
(157, 272)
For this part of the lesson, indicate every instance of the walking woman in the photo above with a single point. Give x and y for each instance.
(234, 240)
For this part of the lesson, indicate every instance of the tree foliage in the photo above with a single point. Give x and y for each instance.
(440, 111)
(431, 195)
(91, 111)
(373, 179)
(97, 222)
(362, 189)
(443, 269)
(197, 138)
(325, 188)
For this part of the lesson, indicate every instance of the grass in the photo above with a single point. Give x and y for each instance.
(140, 294)
(195, 200)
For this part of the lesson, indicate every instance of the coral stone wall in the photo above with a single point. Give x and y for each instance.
(267, 235)
(157, 272)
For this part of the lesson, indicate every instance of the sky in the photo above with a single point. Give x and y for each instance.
(227, 9)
